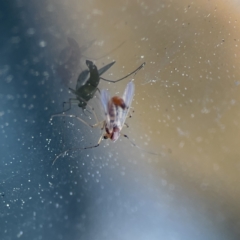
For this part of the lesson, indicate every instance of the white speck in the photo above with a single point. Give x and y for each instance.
(181, 144)
(181, 132)
(42, 44)
(9, 78)
(30, 106)
(20, 234)
(99, 43)
(10, 97)
(142, 56)
(31, 31)
(237, 83)
(205, 110)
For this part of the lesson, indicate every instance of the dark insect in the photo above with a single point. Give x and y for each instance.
(87, 84)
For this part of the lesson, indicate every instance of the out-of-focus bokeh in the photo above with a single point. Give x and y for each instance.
(186, 109)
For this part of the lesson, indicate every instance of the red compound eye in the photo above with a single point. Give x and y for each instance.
(119, 102)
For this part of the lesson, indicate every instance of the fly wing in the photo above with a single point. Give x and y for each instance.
(127, 98)
(105, 100)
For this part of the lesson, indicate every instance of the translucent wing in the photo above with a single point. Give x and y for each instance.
(105, 100)
(128, 94)
(127, 98)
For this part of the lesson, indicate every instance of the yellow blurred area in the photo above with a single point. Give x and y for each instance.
(187, 96)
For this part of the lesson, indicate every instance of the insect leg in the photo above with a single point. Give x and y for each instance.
(114, 81)
(135, 145)
(78, 118)
(99, 141)
(93, 112)
(70, 102)
(76, 149)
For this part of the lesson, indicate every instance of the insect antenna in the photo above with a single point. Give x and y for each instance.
(105, 55)
(135, 145)
(135, 71)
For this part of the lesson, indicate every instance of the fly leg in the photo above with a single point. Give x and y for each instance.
(99, 141)
(70, 102)
(135, 145)
(93, 112)
(131, 114)
(76, 149)
(78, 118)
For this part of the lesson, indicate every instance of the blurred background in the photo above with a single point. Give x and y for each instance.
(186, 110)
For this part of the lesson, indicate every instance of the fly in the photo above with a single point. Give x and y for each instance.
(116, 110)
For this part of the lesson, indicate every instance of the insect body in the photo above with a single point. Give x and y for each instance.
(88, 81)
(116, 111)
(87, 84)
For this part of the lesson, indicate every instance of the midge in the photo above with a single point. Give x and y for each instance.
(87, 84)
(116, 110)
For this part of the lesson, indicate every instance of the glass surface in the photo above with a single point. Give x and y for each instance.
(182, 183)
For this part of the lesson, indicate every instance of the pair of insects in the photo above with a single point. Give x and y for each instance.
(116, 109)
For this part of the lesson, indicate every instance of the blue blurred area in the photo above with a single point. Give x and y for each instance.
(96, 194)
(38, 201)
